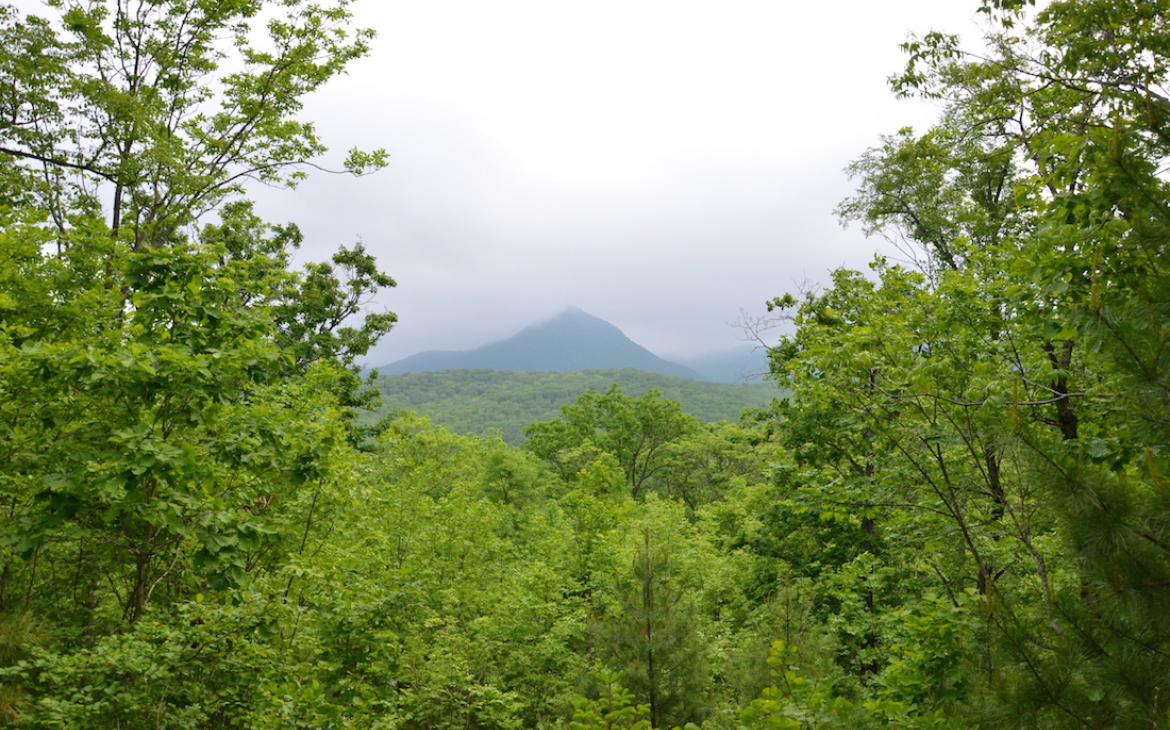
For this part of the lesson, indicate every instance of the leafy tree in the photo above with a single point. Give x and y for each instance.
(175, 393)
(165, 109)
(705, 464)
(1001, 392)
(165, 440)
(635, 430)
(313, 310)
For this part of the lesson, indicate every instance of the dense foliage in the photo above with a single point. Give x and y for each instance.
(485, 402)
(959, 517)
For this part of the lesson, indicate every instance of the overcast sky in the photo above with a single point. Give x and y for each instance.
(663, 165)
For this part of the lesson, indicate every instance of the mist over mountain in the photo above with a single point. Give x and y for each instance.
(571, 341)
(744, 364)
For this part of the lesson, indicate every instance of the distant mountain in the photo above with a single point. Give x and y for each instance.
(746, 364)
(483, 402)
(572, 340)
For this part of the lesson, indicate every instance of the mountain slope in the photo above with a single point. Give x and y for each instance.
(572, 340)
(483, 401)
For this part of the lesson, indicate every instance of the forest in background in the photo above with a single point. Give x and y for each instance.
(959, 518)
(490, 402)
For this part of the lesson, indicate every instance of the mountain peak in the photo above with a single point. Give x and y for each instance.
(571, 340)
(573, 313)
(571, 317)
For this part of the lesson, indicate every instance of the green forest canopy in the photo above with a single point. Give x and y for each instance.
(958, 518)
(483, 402)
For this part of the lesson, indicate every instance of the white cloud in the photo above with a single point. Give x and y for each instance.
(660, 164)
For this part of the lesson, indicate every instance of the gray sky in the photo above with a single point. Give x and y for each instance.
(661, 164)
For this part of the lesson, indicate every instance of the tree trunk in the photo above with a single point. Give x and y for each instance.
(648, 613)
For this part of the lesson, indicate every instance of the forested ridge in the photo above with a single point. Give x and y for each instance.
(489, 402)
(959, 516)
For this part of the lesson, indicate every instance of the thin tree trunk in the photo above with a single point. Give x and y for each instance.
(648, 612)
(136, 604)
(1066, 417)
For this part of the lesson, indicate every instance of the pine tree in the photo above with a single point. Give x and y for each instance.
(652, 638)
